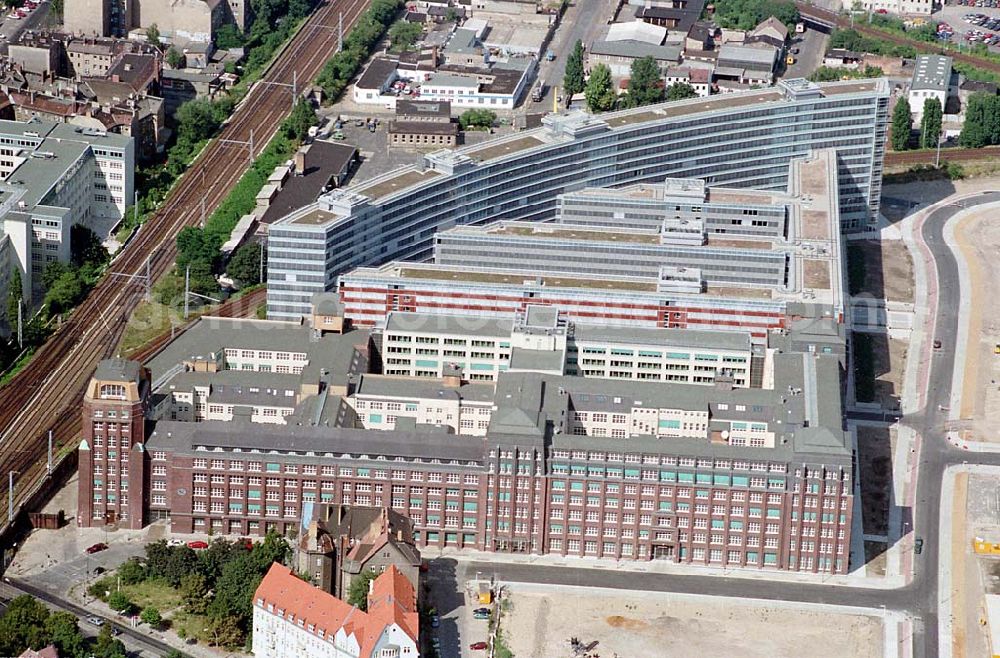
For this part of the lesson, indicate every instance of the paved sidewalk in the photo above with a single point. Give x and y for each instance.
(854, 579)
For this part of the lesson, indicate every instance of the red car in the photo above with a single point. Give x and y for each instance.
(478, 646)
(97, 548)
(197, 544)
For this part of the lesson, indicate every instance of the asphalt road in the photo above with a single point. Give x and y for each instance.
(586, 21)
(137, 644)
(920, 597)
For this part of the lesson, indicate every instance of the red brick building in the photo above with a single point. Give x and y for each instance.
(111, 459)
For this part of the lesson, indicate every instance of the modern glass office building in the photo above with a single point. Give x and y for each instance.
(736, 140)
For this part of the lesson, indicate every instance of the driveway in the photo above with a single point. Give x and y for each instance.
(585, 20)
(812, 46)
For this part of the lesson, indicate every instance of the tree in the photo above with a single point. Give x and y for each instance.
(357, 593)
(573, 82)
(183, 561)
(235, 587)
(119, 602)
(273, 549)
(174, 57)
(477, 119)
(64, 632)
(65, 292)
(132, 571)
(153, 35)
(901, 125)
(298, 123)
(14, 295)
(85, 247)
(22, 626)
(52, 273)
(599, 91)
(930, 124)
(151, 616)
(228, 36)
(194, 593)
(645, 86)
(244, 266)
(226, 632)
(107, 646)
(679, 91)
(194, 246)
(404, 34)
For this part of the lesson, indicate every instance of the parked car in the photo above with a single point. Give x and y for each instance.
(937, 344)
(246, 542)
(197, 544)
(115, 631)
(99, 570)
(97, 548)
(481, 615)
(175, 542)
(484, 611)
(95, 621)
(435, 621)
(478, 646)
(918, 545)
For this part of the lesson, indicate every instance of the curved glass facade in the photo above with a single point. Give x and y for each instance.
(736, 140)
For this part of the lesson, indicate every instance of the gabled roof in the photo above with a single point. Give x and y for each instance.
(392, 600)
(771, 25)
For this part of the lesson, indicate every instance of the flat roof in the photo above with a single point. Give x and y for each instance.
(384, 187)
(564, 232)
(694, 338)
(464, 325)
(495, 149)
(421, 388)
(441, 273)
(314, 217)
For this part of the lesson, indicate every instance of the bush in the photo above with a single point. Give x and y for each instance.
(477, 119)
(151, 616)
(120, 603)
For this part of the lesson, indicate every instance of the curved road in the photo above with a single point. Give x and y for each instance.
(920, 597)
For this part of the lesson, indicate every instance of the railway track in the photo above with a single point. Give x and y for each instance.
(863, 28)
(241, 307)
(950, 155)
(46, 394)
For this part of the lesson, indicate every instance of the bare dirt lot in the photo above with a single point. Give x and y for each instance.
(887, 267)
(539, 625)
(875, 445)
(979, 240)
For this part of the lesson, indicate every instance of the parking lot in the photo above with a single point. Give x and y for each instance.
(956, 17)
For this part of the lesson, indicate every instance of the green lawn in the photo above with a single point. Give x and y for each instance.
(155, 593)
(192, 625)
(151, 319)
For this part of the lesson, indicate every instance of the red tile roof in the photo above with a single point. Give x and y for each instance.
(48, 652)
(294, 599)
(391, 601)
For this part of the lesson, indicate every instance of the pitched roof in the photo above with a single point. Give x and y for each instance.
(392, 600)
(771, 24)
(48, 652)
(293, 598)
